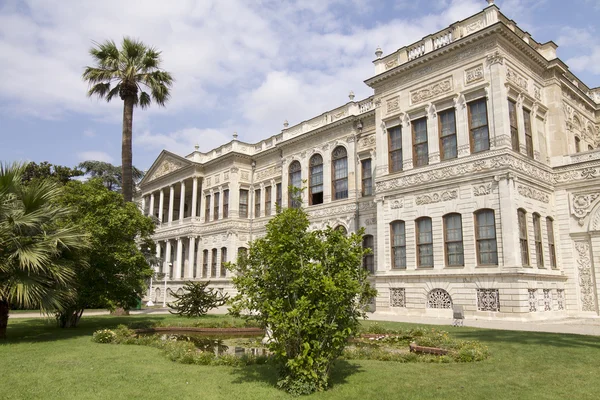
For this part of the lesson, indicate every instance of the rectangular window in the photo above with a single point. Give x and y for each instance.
(257, 203)
(225, 203)
(395, 149)
(514, 126)
(485, 235)
(367, 178)
(243, 203)
(268, 200)
(398, 245)
(397, 297)
(522, 217)
(223, 261)
(551, 248)
(453, 240)
(537, 235)
(205, 263)
(447, 127)
(478, 126)
(369, 259)
(528, 134)
(213, 265)
(207, 208)
(216, 201)
(420, 146)
(424, 243)
(278, 194)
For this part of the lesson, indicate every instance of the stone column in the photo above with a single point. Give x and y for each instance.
(161, 205)
(151, 211)
(211, 206)
(407, 150)
(521, 126)
(194, 196)
(381, 264)
(191, 250)
(167, 258)
(352, 170)
(171, 201)
(463, 144)
(262, 201)
(285, 177)
(143, 205)
(509, 251)
(157, 254)
(178, 261)
(433, 138)
(534, 132)
(182, 202)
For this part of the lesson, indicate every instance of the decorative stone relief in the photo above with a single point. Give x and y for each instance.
(245, 175)
(537, 93)
(495, 58)
(226, 175)
(391, 64)
(393, 104)
(268, 172)
(560, 299)
(516, 78)
(366, 142)
(474, 26)
(439, 298)
(371, 221)
(217, 179)
(474, 74)
(534, 194)
(436, 197)
(348, 208)
(488, 300)
(430, 91)
(577, 174)
(208, 181)
(547, 300)
(582, 204)
(234, 170)
(532, 299)
(396, 204)
(482, 190)
(397, 297)
(167, 166)
(338, 115)
(586, 286)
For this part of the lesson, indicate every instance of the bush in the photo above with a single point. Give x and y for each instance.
(104, 336)
(197, 299)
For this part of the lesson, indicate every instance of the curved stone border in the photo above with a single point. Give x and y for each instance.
(257, 331)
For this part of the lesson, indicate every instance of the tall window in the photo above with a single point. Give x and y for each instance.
(207, 208)
(295, 180)
(424, 242)
(223, 261)
(367, 178)
(522, 216)
(590, 147)
(514, 126)
(398, 244)
(316, 180)
(369, 259)
(551, 248)
(257, 203)
(395, 149)
(243, 203)
(453, 238)
(485, 236)
(242, 253)
(225, 203)
(478, 126)
(420, 147)
(278, 195)
(537, 236)
(216, 202)
(339, 159)
(205, 263)
(213, 265)
(268, 200)
(528, 135)
(447, 121)
(577, 145)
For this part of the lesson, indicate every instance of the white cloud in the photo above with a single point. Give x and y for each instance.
(181, 142)
(94, 155)
(89, 133)
(579, 37)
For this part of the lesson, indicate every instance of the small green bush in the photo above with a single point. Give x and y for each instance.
(104, 336)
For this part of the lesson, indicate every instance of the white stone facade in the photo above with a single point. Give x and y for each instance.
(474, 169)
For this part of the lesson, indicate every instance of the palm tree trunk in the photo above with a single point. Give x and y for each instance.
(126, 151)
(3, 318)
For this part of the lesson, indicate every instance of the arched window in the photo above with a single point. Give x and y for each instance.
(485, 236)
(537, 236)
(342, 229)
(424, 242)
(339, 159)
(369, 259)
(551, 248)
(179, 292)
(223, 261)
(439, 298)
(522, 217)
(453, 240)
(577, 145)
(590, 147)
(157, 295)
(316, 180)
(242, 253)
(295, 180)
(398, 240)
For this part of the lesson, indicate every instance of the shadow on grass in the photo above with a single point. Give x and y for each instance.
(528, 338)
(268, 373)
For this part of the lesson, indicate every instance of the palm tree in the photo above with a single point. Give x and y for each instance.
(127, 72)
(38, 254)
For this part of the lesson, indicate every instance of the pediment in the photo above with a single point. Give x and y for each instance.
(166, 163)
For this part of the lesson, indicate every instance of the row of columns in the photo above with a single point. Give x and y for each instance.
(194, 259)
(161, 201)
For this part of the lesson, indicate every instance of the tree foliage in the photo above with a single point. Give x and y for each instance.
(309, 288)
(38, 261)
(197, 299)
(119, 253)
(111, 175)
(133, 73)
(46, 170)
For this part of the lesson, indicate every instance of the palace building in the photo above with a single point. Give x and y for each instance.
(474, 169)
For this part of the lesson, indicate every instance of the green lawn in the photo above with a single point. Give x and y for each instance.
(40, 361)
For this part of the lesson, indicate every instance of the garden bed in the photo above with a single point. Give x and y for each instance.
(182, 329)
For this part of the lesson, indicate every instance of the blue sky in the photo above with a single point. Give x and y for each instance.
(239, 65)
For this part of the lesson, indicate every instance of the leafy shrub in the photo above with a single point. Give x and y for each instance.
(104, 336)
(197, 299)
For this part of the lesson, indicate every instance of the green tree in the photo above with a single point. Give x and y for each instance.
(125, 72)
(110, 175)
(38, 259)
(45, 170)
(309, 288)
(197, 299)
(119, 254)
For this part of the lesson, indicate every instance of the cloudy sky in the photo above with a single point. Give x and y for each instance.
(239, 65)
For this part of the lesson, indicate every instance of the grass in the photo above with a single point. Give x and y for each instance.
(40, 361)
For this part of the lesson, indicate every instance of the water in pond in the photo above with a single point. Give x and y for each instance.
(235, 344)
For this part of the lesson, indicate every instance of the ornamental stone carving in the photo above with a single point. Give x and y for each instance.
(537, 93)
(245, 175)
(488, 300)
(431, 91)
(534, 194)
(391, 64)
(439, 298)
(582, 204)
(371, 221)
(367, 142)
(393, 104)
(268, 172)
(584, 268)
(167, 166)
(437, 197)
(495, 58)
(396, 204)
(474, 26)
(516, 78)
(482, 190)
(473, 75)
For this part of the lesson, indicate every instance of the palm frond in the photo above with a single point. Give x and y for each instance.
(145, 100)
